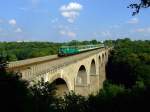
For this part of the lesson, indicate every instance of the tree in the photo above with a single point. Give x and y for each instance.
(42, 97)
(138, 6)
(94, 41)
(74, 103)
(13, 90)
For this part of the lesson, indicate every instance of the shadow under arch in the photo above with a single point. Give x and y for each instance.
(81, 76)
(93, 68)
(61, 86)
(103, 59)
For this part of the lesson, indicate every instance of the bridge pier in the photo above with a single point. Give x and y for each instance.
(94, 83)
(102, 77)
(82, 90)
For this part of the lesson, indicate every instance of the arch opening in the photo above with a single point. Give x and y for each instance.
(81, 76)
(93, 68)
(103, 59)
(105, 54)
(61, 86)
(99, 60)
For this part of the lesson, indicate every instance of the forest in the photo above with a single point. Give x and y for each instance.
(126, 89)
(24, 50)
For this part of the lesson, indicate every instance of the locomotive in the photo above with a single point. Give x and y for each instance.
(71, 50)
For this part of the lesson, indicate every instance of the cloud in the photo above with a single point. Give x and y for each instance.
(18, 30)
(106, 33)
(12, 22)
(133, 21)
(71, 16)
(71, 11)
(67, 33)
(72, 6)
(143, 30)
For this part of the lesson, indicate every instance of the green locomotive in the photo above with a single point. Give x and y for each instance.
(70, 50)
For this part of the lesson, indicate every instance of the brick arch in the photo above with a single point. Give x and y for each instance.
(93, 67)
(81, 78)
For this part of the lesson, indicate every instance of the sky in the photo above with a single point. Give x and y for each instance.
(66, 20)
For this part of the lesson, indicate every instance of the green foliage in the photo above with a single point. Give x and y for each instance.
(14, 92)
(24, 50)
(138, 6)
(129, 62)
(42, 96)
(74, 103)
(127, 88)
(111, 90)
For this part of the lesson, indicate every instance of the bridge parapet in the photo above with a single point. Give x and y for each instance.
(30, 61)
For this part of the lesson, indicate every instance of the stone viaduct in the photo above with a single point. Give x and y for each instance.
(83, 73)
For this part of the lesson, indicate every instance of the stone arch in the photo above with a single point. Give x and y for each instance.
(81, 76)
(105, 54)
(99, 60)
(66, 80)
(61, 86)
(93, 68)
(103, 59)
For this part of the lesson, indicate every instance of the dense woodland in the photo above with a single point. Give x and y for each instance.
(23, 50)
(126, 89)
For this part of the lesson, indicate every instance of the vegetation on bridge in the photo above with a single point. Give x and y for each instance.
(127, 87)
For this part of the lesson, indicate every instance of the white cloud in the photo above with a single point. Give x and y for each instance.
(106, 33)
(72, 6)
(18, 30)
(62, 32)
(133, 21)
(143, 30)
(67, 33)
(12, 22)
(71, 15)
(71, 11)
(140, 30)
(71, 34)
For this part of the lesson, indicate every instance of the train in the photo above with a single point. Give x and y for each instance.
(71, 50)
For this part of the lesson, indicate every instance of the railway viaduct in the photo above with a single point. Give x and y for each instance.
(83, 73)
